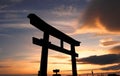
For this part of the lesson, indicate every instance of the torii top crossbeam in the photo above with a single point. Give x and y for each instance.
(40, 24)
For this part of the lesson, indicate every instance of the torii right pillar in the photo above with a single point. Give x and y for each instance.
(73, 57)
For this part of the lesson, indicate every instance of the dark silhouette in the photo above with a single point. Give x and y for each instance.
(113, 75)
(49, 30)
(92, 73)
(56, 72)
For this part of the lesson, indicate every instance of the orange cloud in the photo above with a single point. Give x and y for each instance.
(4, 66)
(108, 42)
(114, 67)
(115, 50)
(61, 63)
(35, 61)
(59, 57)
(10, 66)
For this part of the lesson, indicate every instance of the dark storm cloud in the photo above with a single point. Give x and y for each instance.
(115, 49)
(114, 67)
(107, 11)
(101, 60)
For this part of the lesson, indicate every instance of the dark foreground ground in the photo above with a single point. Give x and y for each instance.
(100, 74)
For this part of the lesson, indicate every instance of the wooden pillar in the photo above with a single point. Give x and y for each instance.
(44, 56)
(74, 68)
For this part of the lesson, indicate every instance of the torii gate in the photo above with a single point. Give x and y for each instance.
(49, 30)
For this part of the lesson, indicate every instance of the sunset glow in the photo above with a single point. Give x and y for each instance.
(94, 23)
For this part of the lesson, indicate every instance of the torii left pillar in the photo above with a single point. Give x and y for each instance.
(44, 55)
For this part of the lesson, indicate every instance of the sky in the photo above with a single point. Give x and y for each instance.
(94, 23)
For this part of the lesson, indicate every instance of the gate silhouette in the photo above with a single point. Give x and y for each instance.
(49, 30)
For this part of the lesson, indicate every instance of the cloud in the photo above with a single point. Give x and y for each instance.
(16, 0)
(59, 57)
(3, 66)
(101, 16)
(65, 11)
(7, 3)
(88, 0)
(66, 26)
(108, 42)
(12, 17)
(114, 67)
(60, 63)
(37, 61)
(101, 60)
(115, 50)
(0, 49)
(17, 26)
(3, 6)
